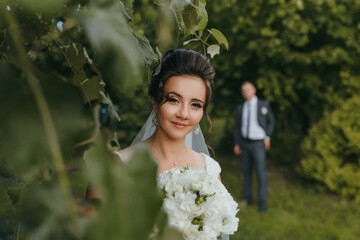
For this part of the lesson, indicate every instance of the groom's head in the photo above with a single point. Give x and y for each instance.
(248, 90)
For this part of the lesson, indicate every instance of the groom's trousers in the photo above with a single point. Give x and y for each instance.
(253, 154)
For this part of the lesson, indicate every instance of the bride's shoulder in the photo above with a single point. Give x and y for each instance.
(125, 154)
(212, 166)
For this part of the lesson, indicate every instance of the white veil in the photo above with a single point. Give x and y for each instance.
(194, 141)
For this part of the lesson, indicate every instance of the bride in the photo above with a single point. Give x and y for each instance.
(180, 93)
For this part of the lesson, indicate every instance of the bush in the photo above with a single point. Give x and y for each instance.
(332, 150)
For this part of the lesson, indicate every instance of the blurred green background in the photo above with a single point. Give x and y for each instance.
(71, 69)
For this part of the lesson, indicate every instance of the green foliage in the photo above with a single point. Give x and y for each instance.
(219, 37)
(302, 55)
(106, 28)
(46, 213)
(130, 198)
(332, 151)
(9, 210)
(21, 126)
(41, 7)
(295, 210)
(134, 112)
(89, 82)
(67, 66)
(190, 19)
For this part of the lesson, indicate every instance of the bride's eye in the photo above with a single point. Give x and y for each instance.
(196, 105)
(172, 100)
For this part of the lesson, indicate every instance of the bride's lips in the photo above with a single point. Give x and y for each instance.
(179, 125)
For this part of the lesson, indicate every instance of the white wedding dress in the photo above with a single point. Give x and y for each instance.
(212, 166)
(194, 141)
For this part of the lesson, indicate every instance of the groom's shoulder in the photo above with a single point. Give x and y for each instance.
(263, 101)
(239, 105)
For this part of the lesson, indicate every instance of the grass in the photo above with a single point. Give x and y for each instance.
(296, 210)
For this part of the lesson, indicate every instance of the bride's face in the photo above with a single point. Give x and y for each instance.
(184, 107)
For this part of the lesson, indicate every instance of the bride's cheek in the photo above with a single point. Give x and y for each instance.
(198, 117)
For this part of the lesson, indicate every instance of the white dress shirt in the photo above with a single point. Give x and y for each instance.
(256, 132)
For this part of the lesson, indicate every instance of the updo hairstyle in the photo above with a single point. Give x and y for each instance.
(180, 62)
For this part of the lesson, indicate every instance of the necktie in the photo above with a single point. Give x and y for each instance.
(248, 120)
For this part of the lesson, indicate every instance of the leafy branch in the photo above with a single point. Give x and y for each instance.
(46, 119)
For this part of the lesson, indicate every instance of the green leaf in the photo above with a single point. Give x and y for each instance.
(177, 7)
(40, 6)
(191, 40)
(115, 45)
(146, 51)
(213, 50)
(131, 199)
(90, 82)
(203, 2)
(194, 16)
(219, 37)
(190, 17)
(45, 212)
(9, 208)
(114, 117)
(22, 128)
(204, 17)
(171, 233)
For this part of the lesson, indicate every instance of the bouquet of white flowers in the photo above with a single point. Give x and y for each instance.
(197, 203)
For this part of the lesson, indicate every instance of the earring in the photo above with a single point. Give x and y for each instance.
(155, 120)
(197, 130)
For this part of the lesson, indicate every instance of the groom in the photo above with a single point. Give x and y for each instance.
(253, 127)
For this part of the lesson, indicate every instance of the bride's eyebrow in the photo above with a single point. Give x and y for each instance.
(178, 95)
(175, 94)
(198, 100)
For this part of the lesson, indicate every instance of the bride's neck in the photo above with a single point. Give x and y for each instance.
(166, 148)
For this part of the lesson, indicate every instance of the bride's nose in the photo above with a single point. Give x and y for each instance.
(183, 112)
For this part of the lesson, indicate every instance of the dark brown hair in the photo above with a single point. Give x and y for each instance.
(248, 82)
(181, 62)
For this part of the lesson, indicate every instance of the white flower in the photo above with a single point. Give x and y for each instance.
(198, 204)
(190, 231)
(264, 111)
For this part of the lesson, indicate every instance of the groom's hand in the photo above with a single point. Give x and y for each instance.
(267, 144)
(237, 150)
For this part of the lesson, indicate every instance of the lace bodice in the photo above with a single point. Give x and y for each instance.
(212, 166)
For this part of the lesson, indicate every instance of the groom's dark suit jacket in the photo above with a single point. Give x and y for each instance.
(265, 117)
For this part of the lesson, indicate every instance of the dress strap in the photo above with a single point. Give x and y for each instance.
(212, 166)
